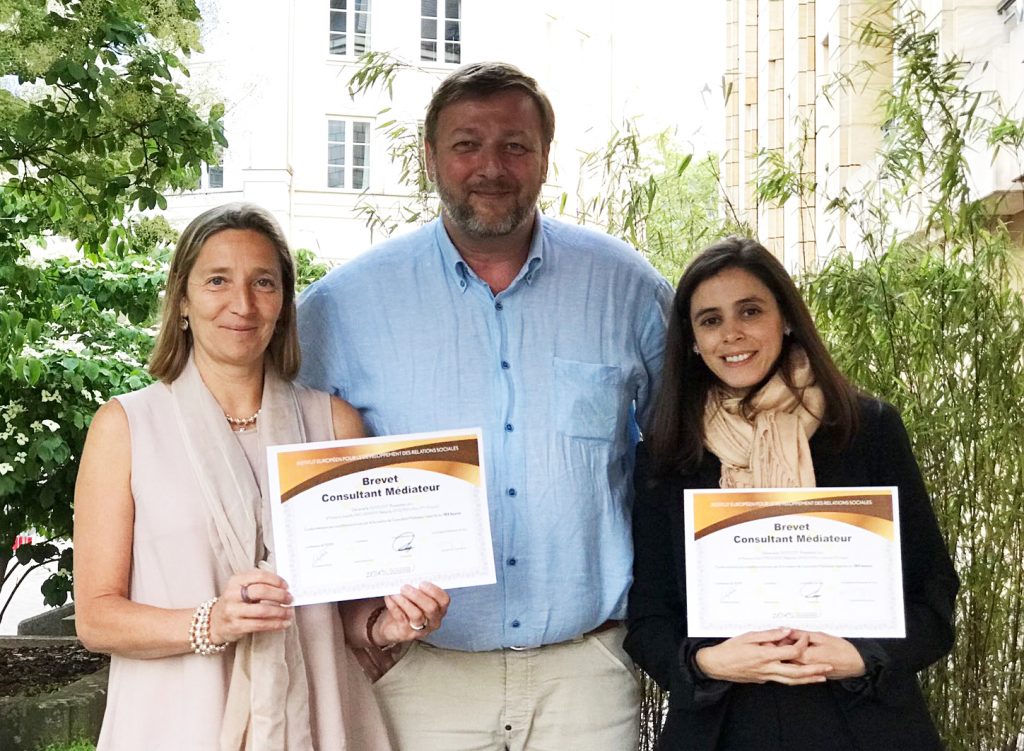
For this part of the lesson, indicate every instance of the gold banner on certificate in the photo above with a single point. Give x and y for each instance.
(361, 517)
(818, 559)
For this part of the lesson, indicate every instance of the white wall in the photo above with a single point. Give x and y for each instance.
(268, 61)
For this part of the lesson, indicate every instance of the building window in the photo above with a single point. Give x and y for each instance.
(1012, 11)
(211, 174)
(348, 154)
(350, 27)
(215, 175)
(441, 25)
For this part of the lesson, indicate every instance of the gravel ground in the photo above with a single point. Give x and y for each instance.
(36, 670)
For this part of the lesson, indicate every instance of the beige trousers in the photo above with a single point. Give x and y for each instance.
(583, 694)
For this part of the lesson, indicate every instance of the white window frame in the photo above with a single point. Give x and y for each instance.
(445, 25)
(344, 37)
(212, 175)
(348, 159)
(1012, 11)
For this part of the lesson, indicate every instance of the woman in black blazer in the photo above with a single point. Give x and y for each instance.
(751, 398)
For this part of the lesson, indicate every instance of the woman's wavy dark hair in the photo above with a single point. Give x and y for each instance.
(675, 436)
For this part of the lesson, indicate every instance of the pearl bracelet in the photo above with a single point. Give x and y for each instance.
(199, 632)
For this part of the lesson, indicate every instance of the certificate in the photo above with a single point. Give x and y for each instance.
(361, 517)
(817, 559)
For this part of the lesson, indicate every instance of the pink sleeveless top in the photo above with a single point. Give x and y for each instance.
(176, 703)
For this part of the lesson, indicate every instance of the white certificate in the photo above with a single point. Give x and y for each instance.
(817, 559)
(361, 517)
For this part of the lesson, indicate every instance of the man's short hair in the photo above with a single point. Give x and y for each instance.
(481, 80)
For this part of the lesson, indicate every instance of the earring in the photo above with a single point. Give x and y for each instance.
(696, 349)
(183, 323)
(787, 331)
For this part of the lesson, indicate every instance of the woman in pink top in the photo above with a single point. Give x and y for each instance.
(174, 574)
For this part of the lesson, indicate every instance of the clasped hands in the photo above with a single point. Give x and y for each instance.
(784, 655)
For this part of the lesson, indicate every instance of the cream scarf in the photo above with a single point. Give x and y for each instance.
(770, 449)
(268, 697)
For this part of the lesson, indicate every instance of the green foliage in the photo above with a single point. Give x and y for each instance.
(689, 211)
(73, 339)
(308, 268)
(617, 188)
(654, 197)
(98, 123)
(418, 206)
(784, 177)
(93, 126)
(81, 745)
(376, 69)
(943, 339)
(931, 321)
(404, 140)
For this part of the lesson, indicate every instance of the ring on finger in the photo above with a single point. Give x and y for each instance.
(245, 595)
(420, 627)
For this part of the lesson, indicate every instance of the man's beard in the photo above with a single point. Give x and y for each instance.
(466, 218)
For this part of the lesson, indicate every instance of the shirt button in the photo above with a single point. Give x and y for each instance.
(511, 561)
(462, 282)
(498, 306)
(508, 427)
(512, 492)
(515, 624)
(508, 727)
(505, 365)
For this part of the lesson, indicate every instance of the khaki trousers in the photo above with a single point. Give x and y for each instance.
(583, 694)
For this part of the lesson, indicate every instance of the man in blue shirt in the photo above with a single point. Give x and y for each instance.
(549, 337)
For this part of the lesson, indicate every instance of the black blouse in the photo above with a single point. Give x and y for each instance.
(884, 709)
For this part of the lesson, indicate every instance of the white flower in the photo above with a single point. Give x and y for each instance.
(51, 397)
(21, 438)
(37, 427)
(54, 427)
(5, 468)
(20, 458)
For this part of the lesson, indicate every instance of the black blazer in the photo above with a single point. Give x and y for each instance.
(883, 709)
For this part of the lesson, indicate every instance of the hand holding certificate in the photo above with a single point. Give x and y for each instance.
(825, 559)
(359, 518)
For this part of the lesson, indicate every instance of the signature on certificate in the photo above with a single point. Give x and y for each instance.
(811, 590)
(403, 542)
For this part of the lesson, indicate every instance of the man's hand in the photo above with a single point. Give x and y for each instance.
(411, 614)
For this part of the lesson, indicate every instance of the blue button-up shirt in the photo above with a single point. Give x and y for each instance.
(553, 369)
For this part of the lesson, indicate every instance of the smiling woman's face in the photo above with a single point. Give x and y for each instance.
(738, 328)
(234, 298)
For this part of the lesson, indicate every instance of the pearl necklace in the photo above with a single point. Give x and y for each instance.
(243, 422)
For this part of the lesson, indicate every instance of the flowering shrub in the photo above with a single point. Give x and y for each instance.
(79, 347)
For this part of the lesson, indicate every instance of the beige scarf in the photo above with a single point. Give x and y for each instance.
(769, 449)
(268, 697)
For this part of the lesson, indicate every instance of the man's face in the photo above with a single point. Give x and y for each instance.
(489, 162)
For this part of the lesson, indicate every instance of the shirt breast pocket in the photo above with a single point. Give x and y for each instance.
(588, 399)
